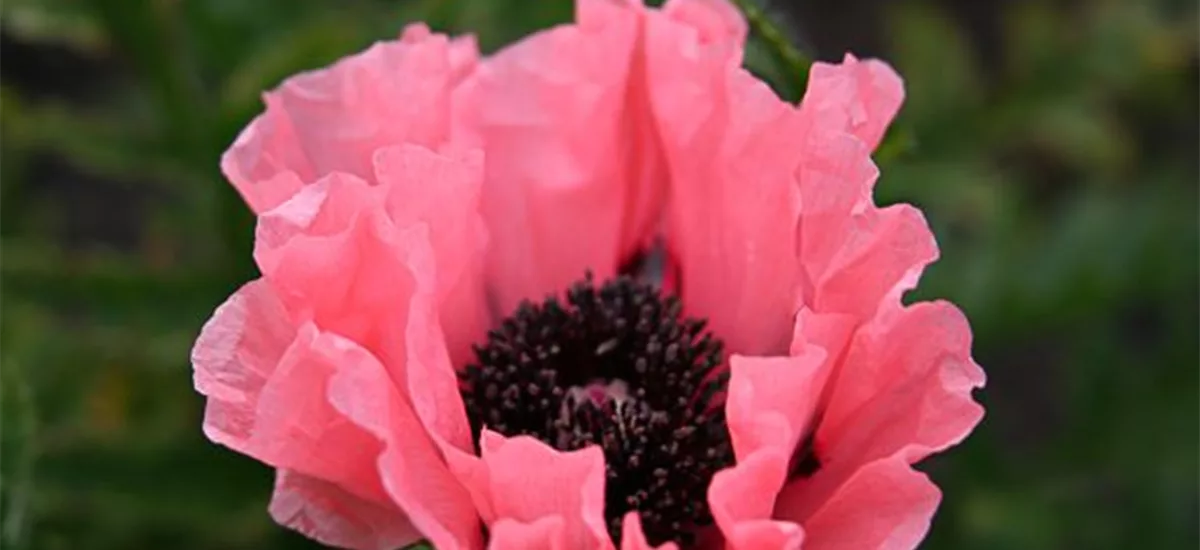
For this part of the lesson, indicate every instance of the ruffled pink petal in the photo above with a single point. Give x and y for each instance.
(523, 480)
(237, 352)
(903, 391)
(410, 465)
(770, 404)
(325, 208)
(633, 538)
(741, 499)
(906, 383)
(264, 163)
(772, 400)
(328, 514)
(334, 119)
(430, 380)
(340, 260)
(295, 425)
(392, 93)
(573, 180)
(443, 192)
(885, 504)
(266, 383)
(716, 22)
(417, 188)
(729, 143)
(355, 281)
(829, 331)
(278, 414)
(889, 249)
(835, 179)
(341, 265)
(853, 254)
(546, 533)
(866, 93)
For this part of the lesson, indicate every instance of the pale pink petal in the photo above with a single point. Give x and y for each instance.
(770, 404)
(717, 22)
(734, 208)
(463, 51)
(689, 46)
(867, 93)
(741, 499)
(633, 538)
(430, 381)
(411, 468)
(733, 149)
(885, 505)
(295, 426)
(573, 180)
(341, 263)
(545, 533)
(525, 480)
(329, 515)
(417, 188)
(266, 381)
(272, 191)
(340, 259)
(333, 119)
(325, 208)
(392, 93)
(771, 400)
(776, 535)
(829, 332)
(906, 383)
(835, 179)
(853, 254)
(884, 256)
(903, 390)
(236, 353)
(264, 163)
(443, 192)
(354, 283)
(337, 259)
(272, 407)
(473, 474)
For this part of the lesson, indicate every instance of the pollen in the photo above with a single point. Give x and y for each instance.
(616, 366)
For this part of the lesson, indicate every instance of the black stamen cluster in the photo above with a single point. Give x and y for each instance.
(662, 429)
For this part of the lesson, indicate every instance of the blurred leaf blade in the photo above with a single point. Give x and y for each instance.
(19, 450)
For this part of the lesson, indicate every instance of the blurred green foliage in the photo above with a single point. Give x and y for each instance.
(1060, 176)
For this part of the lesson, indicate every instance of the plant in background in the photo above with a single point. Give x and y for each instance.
(459, 322)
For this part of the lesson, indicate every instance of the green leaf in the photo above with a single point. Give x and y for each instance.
(19, 449)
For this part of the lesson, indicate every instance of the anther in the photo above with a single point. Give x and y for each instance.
(614, 366)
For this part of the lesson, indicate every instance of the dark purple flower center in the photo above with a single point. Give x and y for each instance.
(614, 366)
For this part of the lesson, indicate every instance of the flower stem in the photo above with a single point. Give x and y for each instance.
(791, 61)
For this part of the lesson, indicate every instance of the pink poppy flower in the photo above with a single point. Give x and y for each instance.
(456, 336)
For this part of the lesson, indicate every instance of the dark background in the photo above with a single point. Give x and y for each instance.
(1053, 146)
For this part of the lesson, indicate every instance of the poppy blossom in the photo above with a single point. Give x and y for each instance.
(600, 289)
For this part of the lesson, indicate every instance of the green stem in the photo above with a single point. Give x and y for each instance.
(792, 62)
